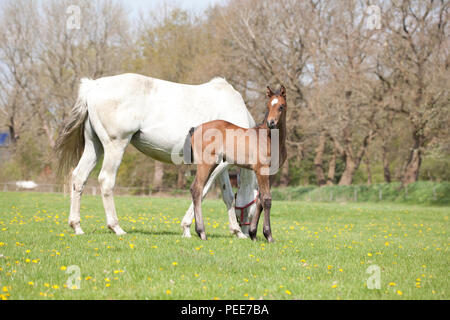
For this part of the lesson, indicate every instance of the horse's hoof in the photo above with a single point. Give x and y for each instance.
(79, 232)
(241, 235)
(186, 234)
(118, 230)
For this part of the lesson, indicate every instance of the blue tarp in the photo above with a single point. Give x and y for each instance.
(4, 139)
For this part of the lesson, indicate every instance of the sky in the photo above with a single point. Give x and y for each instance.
(196, 6)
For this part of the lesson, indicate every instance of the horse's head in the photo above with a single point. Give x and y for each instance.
(276, 106)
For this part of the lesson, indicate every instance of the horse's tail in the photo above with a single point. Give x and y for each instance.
(70, 144)
(188, 156)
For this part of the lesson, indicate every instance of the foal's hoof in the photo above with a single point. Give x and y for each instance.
(203, 236)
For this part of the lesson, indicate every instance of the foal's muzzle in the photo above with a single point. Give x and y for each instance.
(271, 124)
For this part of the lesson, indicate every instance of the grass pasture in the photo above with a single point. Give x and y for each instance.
(322, 251)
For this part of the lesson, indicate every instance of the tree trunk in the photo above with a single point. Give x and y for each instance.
(369, 172)
(411, 173)
(181, 178)
(318, 160)
(331, 169)
(349, 172)
(158, 176)
(352, 162)
(386, 169)
(285, 178)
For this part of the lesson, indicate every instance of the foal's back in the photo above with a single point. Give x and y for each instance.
(238, 145)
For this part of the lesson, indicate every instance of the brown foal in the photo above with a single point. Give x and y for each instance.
(251, 148)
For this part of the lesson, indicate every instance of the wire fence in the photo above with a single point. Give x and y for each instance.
(59, 188)
(421, 192)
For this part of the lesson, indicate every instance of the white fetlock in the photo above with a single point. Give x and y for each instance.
(186, 233)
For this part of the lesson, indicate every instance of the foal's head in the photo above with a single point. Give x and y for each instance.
(276, 106)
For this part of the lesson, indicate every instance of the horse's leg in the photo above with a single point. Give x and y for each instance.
(203, 172)
(189, 216)
(266, 201)
(254, 223)
(91, 153)
(114, 151)
(228, 198)
(247, 191)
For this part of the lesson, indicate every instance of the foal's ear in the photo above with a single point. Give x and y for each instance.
(269, 92)
(283, 91)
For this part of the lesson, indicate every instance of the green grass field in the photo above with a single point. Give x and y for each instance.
(322, 251)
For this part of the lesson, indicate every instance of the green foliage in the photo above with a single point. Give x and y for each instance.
(422, 192)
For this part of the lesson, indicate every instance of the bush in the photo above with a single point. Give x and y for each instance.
(422, 192)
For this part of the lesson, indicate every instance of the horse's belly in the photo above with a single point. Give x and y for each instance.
(157, 147)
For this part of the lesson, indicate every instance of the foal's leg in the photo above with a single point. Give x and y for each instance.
(255, 221)
(189, 216)
(91, 153)
(228, 198)
(266, 201)
(114, 151)
(203, 172)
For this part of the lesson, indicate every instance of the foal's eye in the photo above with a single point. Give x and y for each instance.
(281, 108)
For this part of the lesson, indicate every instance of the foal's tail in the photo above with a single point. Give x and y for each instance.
(70, 144)
(188, 157)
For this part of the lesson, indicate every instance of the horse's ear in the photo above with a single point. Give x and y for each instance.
(269, 92)
(283, 91)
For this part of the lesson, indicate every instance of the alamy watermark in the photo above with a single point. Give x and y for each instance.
(74, 280)
(374, 281)
(74, 19)
(238, 146)
(373, 21)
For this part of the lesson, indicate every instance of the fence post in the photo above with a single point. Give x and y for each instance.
(380, 194)
(331, 195)
(434, 193)
(355, 195)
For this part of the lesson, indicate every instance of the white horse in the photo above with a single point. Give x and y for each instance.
(155, 116)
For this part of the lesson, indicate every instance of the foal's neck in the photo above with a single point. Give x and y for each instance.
(281, 126)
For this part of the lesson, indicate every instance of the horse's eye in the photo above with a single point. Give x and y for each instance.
(281, 108)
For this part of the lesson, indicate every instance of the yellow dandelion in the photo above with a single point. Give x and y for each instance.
(31, 283)
(288, 292)
(63, 268)
(399, 292)
(168, 292)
